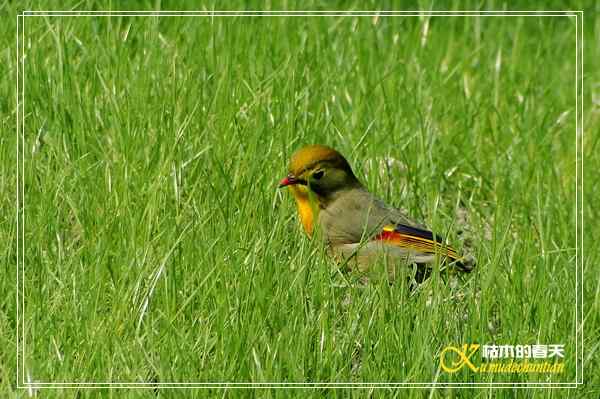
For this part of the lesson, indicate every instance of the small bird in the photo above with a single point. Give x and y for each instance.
(354, 223)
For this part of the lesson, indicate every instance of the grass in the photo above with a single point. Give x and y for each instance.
(157, 247)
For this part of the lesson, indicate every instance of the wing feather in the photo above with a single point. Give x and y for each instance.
(417, 239)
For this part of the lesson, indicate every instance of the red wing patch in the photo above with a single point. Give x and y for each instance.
(417, 239)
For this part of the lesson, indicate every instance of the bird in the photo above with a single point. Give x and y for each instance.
(358, 227)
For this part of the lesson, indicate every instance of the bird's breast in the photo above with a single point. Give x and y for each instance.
(305, 210)
(343, 221)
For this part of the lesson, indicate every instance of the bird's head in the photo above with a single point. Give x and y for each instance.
(319, 169)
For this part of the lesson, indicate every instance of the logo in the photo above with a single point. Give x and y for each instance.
(504, 358)
(464, 358)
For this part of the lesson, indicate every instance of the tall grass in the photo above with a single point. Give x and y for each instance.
(158, 248)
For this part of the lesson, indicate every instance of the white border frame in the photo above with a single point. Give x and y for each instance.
(20, 203)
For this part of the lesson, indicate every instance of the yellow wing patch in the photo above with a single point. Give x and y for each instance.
(414, 238)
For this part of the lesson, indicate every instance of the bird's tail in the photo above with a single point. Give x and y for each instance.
(465, 264)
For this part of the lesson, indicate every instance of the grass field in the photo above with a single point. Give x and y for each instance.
(157, 247)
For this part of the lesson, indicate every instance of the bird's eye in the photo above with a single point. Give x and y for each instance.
(318, 175)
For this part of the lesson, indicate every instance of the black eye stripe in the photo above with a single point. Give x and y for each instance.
(318, 175)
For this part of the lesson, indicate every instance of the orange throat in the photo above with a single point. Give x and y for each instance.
(305, 210)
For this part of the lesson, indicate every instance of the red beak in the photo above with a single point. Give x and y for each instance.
(288, 181)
